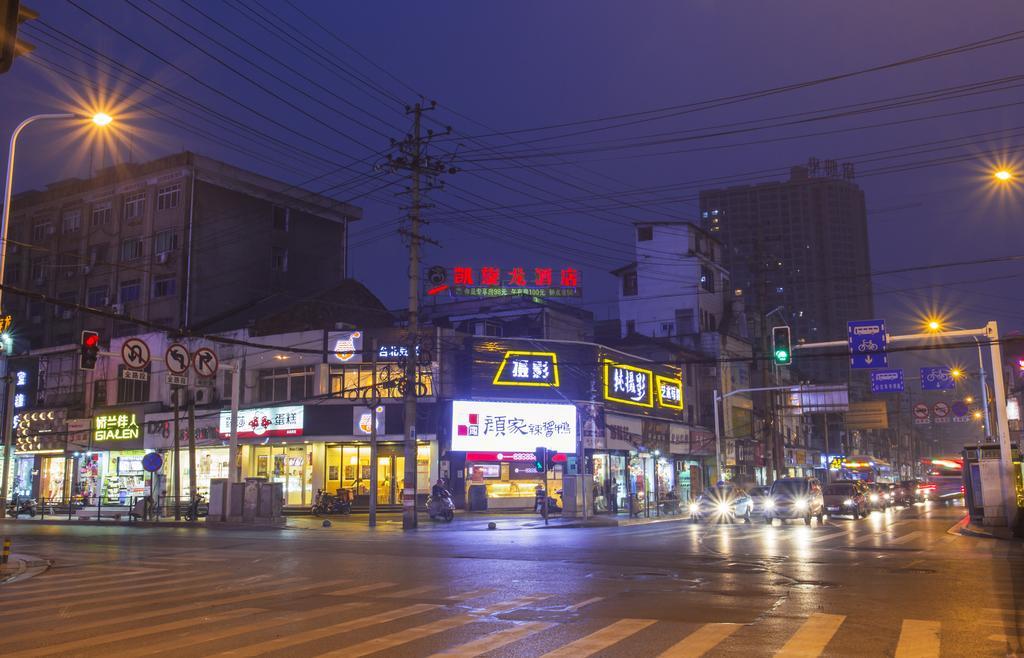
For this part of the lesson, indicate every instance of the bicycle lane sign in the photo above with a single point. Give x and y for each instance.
(867, 344)
(937, 379)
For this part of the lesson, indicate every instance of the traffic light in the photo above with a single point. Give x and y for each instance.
(541, 459)
(782, 349)
(552, 455)
(12, 14)
(90, 350)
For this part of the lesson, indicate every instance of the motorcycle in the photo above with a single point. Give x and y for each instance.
(19, 507)
(325, 503)
(442, 507)
(193, 512)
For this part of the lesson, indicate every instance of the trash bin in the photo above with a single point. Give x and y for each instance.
(477, 497)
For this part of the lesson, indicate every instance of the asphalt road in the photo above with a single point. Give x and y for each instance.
(894, 584)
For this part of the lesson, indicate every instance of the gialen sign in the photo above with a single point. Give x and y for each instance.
(115, 427)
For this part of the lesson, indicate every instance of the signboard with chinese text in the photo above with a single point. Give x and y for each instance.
(492, 281)
(513, 426)
(887, 381)
(527, 369)
(122, 426)
(628, 384)
(394, 352)
(670, 392)
(867, 343)
(264, 422)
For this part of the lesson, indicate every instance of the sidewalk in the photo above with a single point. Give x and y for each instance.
(967, 529)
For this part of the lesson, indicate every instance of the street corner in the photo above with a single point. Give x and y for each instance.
(22, 567)
(965, 528)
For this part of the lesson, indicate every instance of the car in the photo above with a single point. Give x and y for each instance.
(758, 495)
(904, 493)
(795, 498)
(724, 503)
(846, 498)
(878, 497)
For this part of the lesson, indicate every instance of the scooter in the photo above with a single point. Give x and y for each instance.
(193, 513)
(24, 506)
(325, 503)
(442, 507)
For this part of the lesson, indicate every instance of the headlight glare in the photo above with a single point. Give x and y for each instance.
(848, 502)
(801, 503)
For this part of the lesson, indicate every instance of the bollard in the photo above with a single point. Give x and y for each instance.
(7, 551)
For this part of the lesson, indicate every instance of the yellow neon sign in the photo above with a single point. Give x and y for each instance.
(527, 369)
(677, 384)
(621, 384)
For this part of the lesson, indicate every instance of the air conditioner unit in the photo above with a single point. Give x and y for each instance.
(204, 395)
(117, 308)
(162, 257)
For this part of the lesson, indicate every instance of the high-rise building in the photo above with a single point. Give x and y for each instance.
(799, 246)
(179, 241)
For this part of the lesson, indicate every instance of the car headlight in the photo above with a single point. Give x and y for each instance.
(723, 507)
(694, 507)
(874, 498)
(848, 502)
(800, 503)
(769, 503)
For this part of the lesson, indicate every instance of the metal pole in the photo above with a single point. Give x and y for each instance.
(177, 457)
(828, 456)
(236, 389)
(373, 437)
(411, 370)
(1008, 481)
(984, 388)
(718, 438)
(544, 501)
(6, 419)
(192, 449)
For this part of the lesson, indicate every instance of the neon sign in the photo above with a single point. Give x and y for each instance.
(265, 422)
(628, 384)
(512, 427)
(670, 392)
(115, 427)
(495, 282)
(348, 346)
(527, 369)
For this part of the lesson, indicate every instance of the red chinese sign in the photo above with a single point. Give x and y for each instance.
(498, 282)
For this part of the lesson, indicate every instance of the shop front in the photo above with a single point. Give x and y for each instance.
(110, 472)
(211, 453)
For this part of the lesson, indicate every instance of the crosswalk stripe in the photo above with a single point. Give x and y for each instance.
(505, 606)
(91, 590)
(400, 637)
(64, 602)
(704, 639)
(415, 591)
(349, 591)
(918, 639)
(327, 631)
(494, 641)
(176, 644)
(45, 582)
(812, 636)
(910, 536)
(106, 638)
(602, 639)
(583, 604)
(471, 594)
(832, 535)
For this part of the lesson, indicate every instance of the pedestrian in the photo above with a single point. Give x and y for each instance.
(613, 496)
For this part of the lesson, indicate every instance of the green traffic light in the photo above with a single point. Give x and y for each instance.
(781, 355)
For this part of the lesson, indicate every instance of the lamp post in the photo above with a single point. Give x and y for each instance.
(100, 119)
(936, 326)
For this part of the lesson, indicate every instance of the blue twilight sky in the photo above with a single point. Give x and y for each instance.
(314, 105)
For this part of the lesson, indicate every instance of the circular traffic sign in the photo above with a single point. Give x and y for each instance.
(177, 358)
(205, 362)
(941, 409)
(960, 409)
(920, 410)
(135, 353)
(152, 462)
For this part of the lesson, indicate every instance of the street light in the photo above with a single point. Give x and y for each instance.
(1003, 175)
(99, 119)
(936, 325)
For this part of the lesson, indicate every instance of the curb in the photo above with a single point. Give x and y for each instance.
(963, 527)
(27, 567)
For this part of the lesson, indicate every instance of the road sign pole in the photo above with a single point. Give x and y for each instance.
(373, 436)
(177, 456)
(1002, 427)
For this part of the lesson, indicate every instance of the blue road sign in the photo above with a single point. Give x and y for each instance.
(937, 379)
(867, 344)
(960, 409)
(152, 462)
(887, 381)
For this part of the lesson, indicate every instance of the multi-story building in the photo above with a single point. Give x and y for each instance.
(802, 245)
(180, 241)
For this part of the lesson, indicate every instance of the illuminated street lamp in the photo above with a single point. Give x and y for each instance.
(1003, 175)
(936, 325)
(99, 119)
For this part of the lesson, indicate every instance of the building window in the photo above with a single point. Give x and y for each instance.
(279, 259)
(486, 328)
(71, 221)
(131, 249)
(101, 214)
(168, 197)
(166, 240)
(99, 393)
(285, 384)
(351, 382)
(630, 327)
(130, 290)
(41, 230)
(707, 279)
(134, 206)
(165, 286)
(97, 296)
(98, 254)
(281, 217)
(37, 269)
(644, 233)
(629, 284)
(131, 391)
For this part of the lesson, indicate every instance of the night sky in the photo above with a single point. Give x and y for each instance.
(533, 198)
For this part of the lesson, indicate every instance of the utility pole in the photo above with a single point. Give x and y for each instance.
(176, 394)
(414, 159)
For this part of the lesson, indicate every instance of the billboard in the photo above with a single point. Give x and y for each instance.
(264, 422)
(513, 426)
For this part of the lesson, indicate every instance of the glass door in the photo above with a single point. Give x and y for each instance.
(396, 494)
(385, 481)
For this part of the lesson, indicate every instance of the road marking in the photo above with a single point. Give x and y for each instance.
(509, 605)
(471, 594)
(602, 639)
(327, 631)
(177, 643)
(415, 591)
(106, 638)
(910, 536)
(831, 535)
(400, 637)
(91, 591)
(699, 642)
(583, 604)
(45, 582)
(348, 591)
(812, 636)
(918, 639)
(494, 641)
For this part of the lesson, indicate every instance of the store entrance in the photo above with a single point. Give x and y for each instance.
(348, 468)
(290, 465)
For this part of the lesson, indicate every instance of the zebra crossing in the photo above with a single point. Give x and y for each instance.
(160, 614)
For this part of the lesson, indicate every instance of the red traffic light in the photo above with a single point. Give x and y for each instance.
(91, 340)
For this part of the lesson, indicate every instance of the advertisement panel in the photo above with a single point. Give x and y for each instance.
(346, 346)
(513, 426)
(628, 384)
(264, 422)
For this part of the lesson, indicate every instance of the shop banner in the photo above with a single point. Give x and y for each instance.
(592, 429)
(623, 432)
(346, 346)
(513, 426)
(362, 420)
(264, 422)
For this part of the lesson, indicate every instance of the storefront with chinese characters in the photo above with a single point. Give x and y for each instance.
(110, 472)
(41, 467)
(211, 450)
